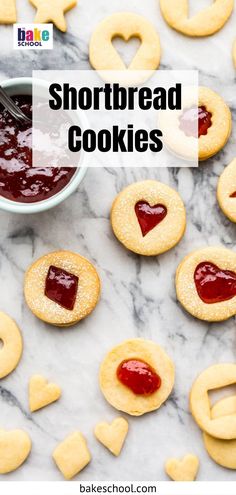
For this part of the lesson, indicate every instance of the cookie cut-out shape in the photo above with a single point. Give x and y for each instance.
(53, 11)
(15, 447)
(87, 292)
(112, 435)
(72, 455)
(42, 393)
(223, 452)
(206, 22)
(218, 259)
(214, 377)
(159, 236)
(226, 191)
(11, 350)
(122, 397)
(185, 469)
(104, 56)
(8, 11)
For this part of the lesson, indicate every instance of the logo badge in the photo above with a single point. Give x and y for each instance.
(33, 36)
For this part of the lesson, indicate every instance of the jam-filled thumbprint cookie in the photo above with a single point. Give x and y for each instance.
(61, 288)
(226, 191)
(206, 22)
(148, 217)
(137, 376)
(206, 283)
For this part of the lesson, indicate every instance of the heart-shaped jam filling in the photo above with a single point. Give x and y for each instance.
(233, 195)
(213, 284)
(149, 216)
(61, 287)
(138, 376)
(188, 121)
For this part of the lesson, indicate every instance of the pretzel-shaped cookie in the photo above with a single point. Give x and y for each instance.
(214, 377)
(204, 23)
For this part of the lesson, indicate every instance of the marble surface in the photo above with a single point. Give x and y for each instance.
(138, 294)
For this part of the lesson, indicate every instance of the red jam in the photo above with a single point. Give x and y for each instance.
(213, 284)
(149, 216)
(61, 287)
(190, 116)
(233, 195)
(19, 181)
(138, 376)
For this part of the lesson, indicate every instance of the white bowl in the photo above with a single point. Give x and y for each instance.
(23, 86)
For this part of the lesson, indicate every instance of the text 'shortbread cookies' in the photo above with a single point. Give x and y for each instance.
(148, 217)
(61, 288)
(206, 283)
(137, 376)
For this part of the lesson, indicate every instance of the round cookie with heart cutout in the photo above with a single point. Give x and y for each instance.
(226, 191)
(137, 376)
(206, 22)
(61, 288)
(206, 283)
(148, 217)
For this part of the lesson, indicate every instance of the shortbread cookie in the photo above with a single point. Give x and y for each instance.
(137, 376)
(185, 469)
(104, 56)
(53, 11)
(206, 22)
(42, 393)
(215, 377)
(72, 455)
(7, 11)
(112, 435)
(226, 191)
(15, 447)
(148, 217)
(223, 452)
(206, 283)
(234, 53)
(61, 288)
(11, 339)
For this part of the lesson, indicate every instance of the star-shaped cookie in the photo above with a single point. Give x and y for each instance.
(53, 11)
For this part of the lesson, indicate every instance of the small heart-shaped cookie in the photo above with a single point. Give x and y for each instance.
(184, 469)
(112, 435)
(15, 447)
(42, 393)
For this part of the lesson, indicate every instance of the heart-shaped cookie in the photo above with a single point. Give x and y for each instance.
(183, 469)
(15, 447)
(42, 393)
(112, 435)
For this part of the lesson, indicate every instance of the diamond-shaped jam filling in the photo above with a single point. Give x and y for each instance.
(61, 287)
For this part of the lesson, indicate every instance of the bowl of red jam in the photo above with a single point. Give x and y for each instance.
(24, 188)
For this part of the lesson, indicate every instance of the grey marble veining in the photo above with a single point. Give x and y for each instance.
(138, 294)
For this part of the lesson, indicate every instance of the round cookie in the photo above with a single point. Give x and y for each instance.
(61, 288)
(103, 55)
(15, 447)
(214, 377)
(121, 396)
(206, 283)
(234, 53)
(148, 217)
(208, 21)
(11, 351)
(223, 452)
(226, 191)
